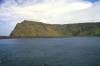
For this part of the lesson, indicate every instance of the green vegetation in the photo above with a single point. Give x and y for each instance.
(36, 29)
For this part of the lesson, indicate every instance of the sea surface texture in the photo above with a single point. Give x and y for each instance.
(73, 51)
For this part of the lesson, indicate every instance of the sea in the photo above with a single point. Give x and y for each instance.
(70, 51)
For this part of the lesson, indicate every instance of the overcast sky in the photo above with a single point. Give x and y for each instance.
(47, 11)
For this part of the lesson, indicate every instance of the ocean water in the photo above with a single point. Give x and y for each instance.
(74, 51)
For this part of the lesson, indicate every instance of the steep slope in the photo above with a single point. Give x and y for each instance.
(31, 28)
(36, 29)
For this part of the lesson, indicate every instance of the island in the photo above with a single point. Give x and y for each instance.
(28, 29)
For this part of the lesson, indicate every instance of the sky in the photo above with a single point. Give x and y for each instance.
(47, 11)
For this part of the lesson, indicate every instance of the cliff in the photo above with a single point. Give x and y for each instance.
(39, 29)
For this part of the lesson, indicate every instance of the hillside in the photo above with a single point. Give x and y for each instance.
(36, 29)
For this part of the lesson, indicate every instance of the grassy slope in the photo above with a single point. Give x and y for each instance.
(32, 28)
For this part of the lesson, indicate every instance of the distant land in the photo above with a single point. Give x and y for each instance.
(27, 29)
(4, 37)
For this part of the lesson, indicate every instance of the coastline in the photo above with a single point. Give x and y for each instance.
(43, 37)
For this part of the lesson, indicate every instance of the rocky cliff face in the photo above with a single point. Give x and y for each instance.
(36, 29)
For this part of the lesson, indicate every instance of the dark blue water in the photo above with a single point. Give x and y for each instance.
(50, 51)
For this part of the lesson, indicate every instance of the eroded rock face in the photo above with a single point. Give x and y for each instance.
(32, 28)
